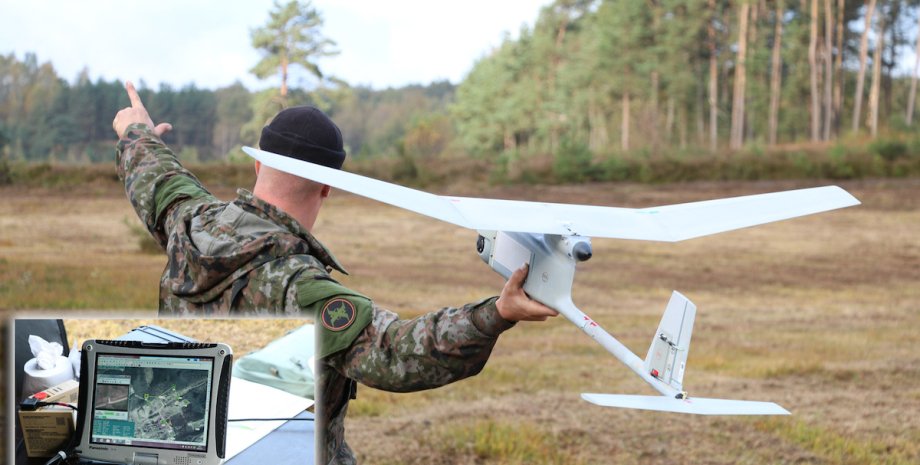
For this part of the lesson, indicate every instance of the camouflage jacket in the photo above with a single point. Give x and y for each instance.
(249, 257)
(245, 257)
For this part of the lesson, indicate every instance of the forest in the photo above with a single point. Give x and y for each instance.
(593, 90)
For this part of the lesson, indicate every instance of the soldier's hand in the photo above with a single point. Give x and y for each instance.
(136, 113)
(515, 305)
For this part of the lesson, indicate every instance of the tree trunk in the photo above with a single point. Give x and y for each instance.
(913, 80)
(838, 66)
(284, 77)
(776, 73)
(557, 59)
(699, 115)
(813, 72)
(828, 69)
(713, 81)
(876, 77)
(654, 104)
(624, 128)
(861, 75)
(748, 124)
(598, 123)
(891, 19)
(669, 121)
(737, 130)
(682, 129)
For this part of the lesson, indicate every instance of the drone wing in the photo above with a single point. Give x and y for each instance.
(669, 223)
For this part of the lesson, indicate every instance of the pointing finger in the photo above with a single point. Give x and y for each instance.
(132, 94)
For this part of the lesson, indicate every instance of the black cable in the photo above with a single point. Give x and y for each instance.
(59, 404)
(31, 404)
(271, 419)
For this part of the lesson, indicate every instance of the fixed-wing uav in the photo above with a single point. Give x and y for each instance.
(553, 238)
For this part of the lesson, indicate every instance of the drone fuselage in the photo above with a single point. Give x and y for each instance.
(552, 259)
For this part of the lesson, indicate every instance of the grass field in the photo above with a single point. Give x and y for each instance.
(819, 314)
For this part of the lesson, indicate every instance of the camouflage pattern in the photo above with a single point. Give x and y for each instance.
(241, 257)
(401, 356)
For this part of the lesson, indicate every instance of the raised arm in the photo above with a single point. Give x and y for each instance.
(154, 179)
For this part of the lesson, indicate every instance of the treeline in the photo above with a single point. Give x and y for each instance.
(595, 90)
(43, 117)
(619, 76)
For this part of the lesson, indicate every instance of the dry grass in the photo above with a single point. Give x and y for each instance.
(819, 314)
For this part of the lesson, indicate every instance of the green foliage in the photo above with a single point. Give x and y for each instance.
(234, 109)
(6, 176)
(545, 107)
(574, 73)
(572, 163)
(406, 170)
(60, 176)
(889, 149)
(46, 119)
(427, 136)
(188, 155)
(291, 37)
(376, 124)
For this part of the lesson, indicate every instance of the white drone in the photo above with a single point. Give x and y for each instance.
(552, 238)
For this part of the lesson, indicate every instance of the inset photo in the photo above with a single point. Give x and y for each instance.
(203, 392)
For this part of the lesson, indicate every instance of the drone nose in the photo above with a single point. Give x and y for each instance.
(582, 251)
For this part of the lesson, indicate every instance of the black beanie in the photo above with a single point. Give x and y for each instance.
(304, 133)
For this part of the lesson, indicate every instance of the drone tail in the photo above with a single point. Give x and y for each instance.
(667, 355)
(666, 362)
(692, 405)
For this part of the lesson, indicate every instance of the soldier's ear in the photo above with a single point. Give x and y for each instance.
(258, 166)
(324, 192)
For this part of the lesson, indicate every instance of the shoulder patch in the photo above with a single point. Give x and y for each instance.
(338, 314)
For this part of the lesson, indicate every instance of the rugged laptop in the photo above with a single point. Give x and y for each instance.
(153, 403)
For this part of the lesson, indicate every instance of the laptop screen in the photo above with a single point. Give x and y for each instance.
(152, 401)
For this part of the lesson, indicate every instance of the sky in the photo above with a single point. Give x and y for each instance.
(207, 42)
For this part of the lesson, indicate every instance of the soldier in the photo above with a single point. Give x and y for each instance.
(256, 255)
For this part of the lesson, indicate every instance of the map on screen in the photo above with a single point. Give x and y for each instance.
(152, 401)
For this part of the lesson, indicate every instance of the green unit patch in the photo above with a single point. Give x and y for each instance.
(342, 312)
(338, 314)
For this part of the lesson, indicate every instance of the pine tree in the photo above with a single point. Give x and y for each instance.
(291, 37)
